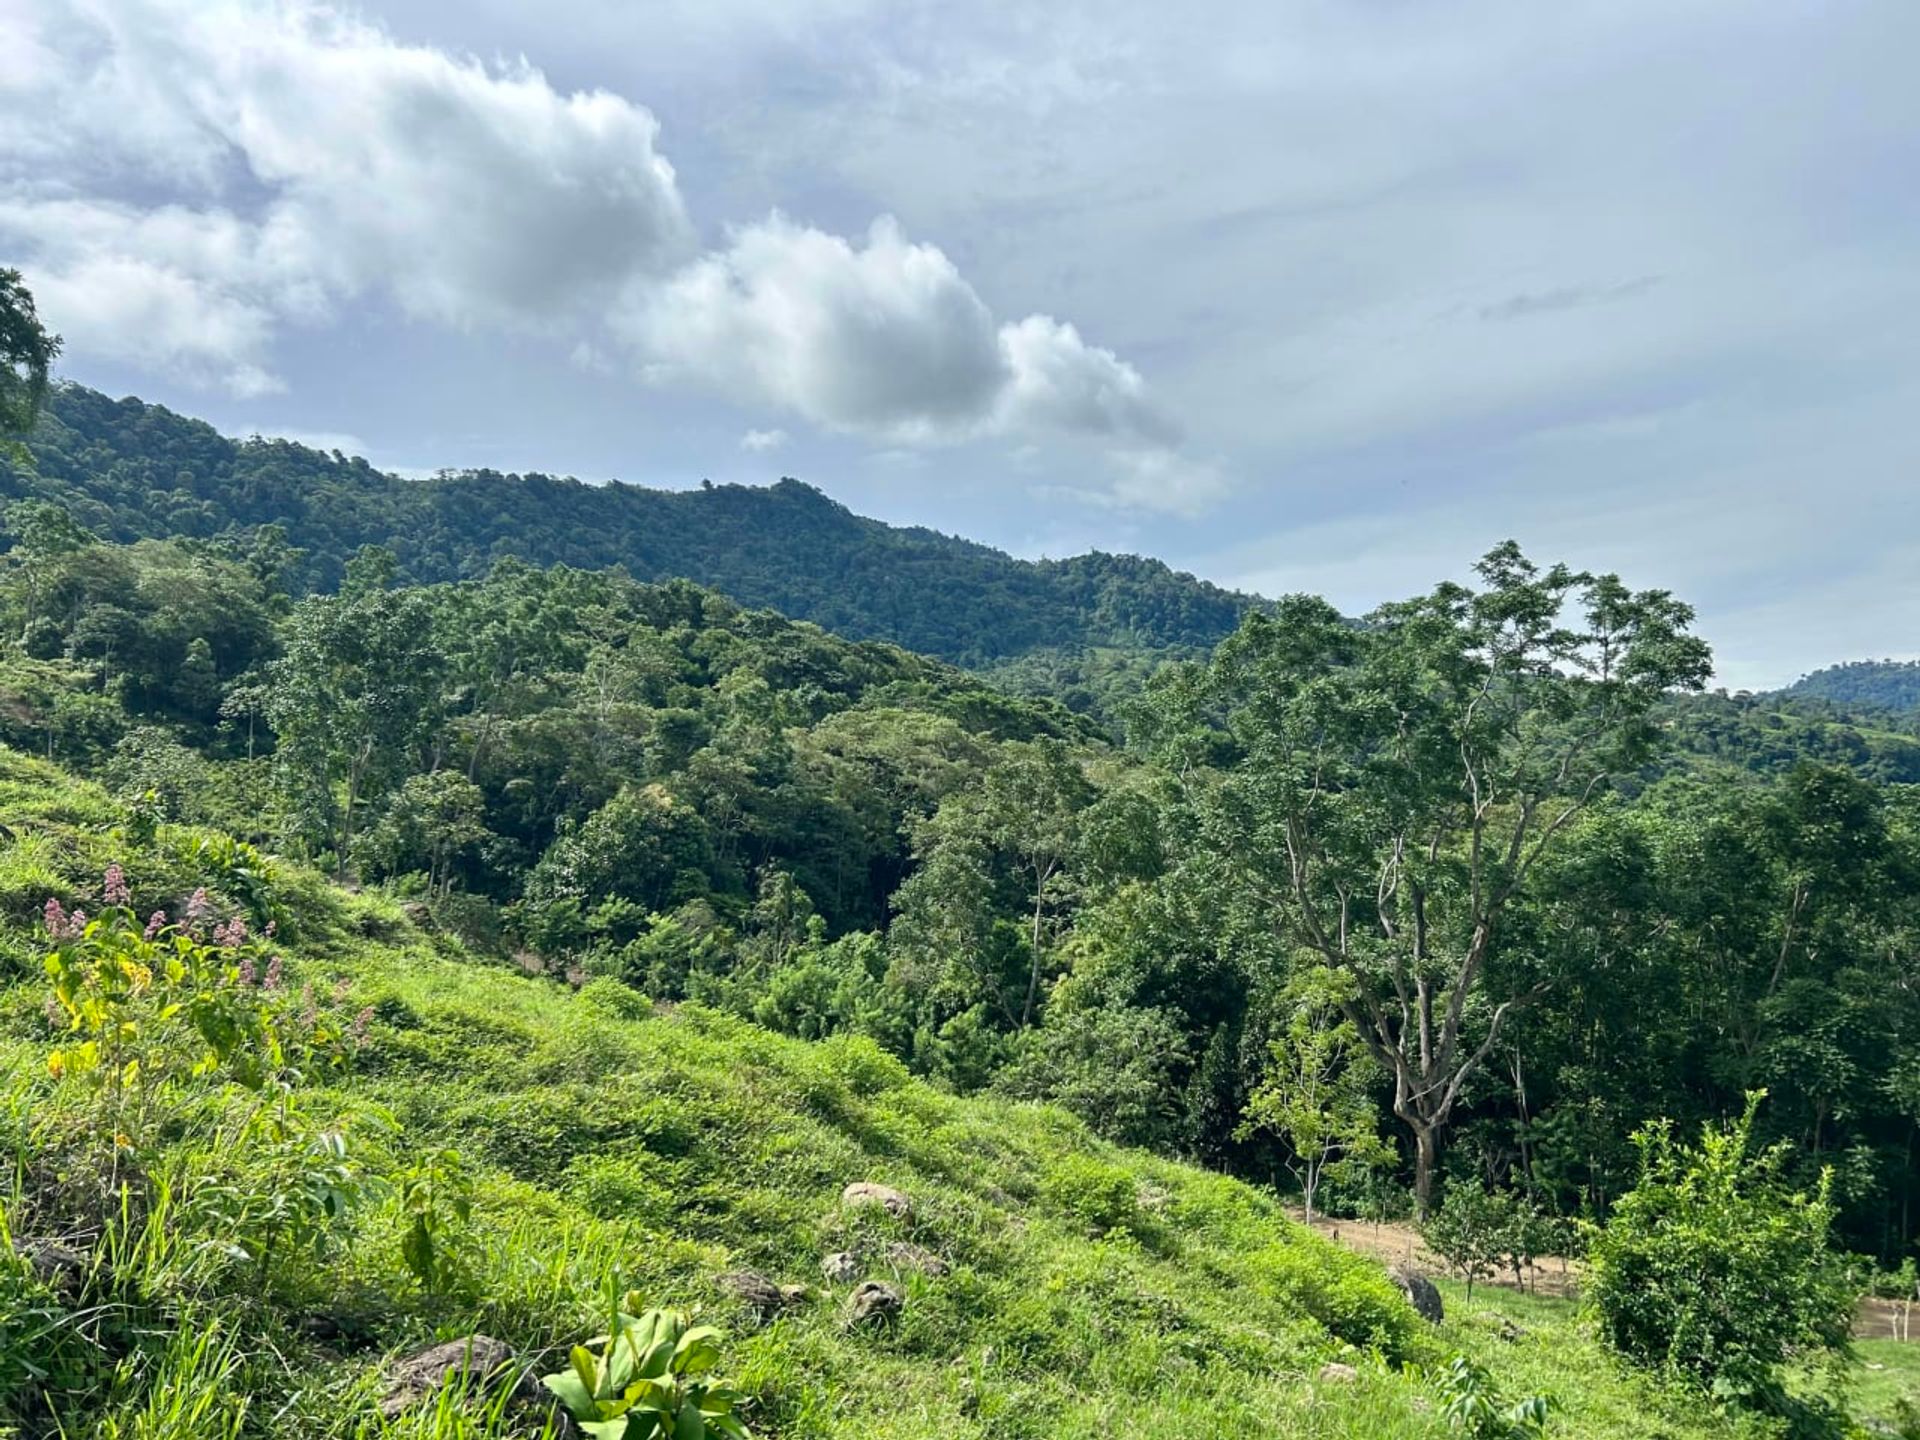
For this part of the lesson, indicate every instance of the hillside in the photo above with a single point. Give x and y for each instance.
(1052, 1285)
(129, 470)
(1869, 684)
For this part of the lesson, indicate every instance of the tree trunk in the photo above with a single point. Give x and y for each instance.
(1426, 1159)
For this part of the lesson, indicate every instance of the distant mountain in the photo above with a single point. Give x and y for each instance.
(128, 470)
(1878, 684)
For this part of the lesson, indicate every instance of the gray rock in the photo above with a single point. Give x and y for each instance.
(1335, 1373)
(863, 1193)
(754, 1290)
(876, 1303)
(1421, 1293)
(58, 1266)
(841, 1268)
(417, 1377)
(905, 1256)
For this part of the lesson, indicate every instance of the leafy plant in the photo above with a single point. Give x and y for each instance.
(645, 1378)
(1470, 1404)
(1713, 1269)
(436, 1196)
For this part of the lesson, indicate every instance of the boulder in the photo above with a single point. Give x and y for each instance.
(876, 1303)
(1335, 1373)
(841, 1268)
(1421, 1293)
(905, 1256)
(58, 1266)
(754, 1290)
(419, 1376)
(863, 1193)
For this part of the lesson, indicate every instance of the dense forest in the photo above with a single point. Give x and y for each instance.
(127, 470)
(1864, 684)
(1472, 912)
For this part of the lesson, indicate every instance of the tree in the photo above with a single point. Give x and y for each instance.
(1317, 1093)
(1714, 1270)
(1022, 821)
(27, 352)
(1384, 791)
(431, 822)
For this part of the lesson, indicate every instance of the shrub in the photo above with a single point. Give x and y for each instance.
(1713, 1269)
(1093, 1191)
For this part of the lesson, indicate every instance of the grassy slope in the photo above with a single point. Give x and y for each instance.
(674, 1147)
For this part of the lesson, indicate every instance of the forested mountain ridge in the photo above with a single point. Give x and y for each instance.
(1878, 684)
(128, 470)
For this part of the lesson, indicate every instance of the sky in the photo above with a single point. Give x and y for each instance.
(1326, 295)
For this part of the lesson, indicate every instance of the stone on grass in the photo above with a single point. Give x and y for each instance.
(906, 1256)
(841, 1268)
(55, 1265)
(876, 1303)
(863, 1193)
(1335, 1373)
(1421, 1292)
(754, 1290)
(419, 1376)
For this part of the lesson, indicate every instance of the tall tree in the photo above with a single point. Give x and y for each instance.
(1385, 790)
(27, 352)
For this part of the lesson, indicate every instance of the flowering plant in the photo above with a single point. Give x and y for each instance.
(147, 1003)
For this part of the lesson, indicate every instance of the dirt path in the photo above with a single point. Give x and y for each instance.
(1554, 1275)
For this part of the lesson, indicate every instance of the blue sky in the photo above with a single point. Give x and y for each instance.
(1305, 294)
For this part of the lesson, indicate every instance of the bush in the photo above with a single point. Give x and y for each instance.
(1714, 1270)
(1093, 1191)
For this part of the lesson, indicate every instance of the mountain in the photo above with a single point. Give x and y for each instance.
(129, 470)
(1878, 684)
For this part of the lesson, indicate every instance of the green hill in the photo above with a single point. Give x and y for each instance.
(1872, 684)
(128, 470)
(233, 1265)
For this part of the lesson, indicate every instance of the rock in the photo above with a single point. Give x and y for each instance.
(863, 1193)
(61, 1268)
(876, 1302)
(903, 1256)
(754, 1290)
(1335, 1373)
(1421, 1293)
(841, 1268)
(418, 1377)
(795, 1294)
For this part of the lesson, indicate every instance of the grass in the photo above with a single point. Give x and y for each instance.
(1088, 1291)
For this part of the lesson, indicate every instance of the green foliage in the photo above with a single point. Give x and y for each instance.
(436, 1204)
(1480, 1232)
(26, 353)
(1317, 1093)
(649, 1376)
(1470, 1404)
(131, 470)
(1100, 1196)
(1713, 1269)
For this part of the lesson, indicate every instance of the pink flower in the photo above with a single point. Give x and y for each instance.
(56, 918)
(357, 1032)
(273, 927)
(199, 907)
(272, 982)
(117, 892)
(155, 923)
(309, 1012)
(247, 973)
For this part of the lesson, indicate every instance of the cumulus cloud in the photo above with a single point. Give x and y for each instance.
(887, 339)
(759, 442)
(292, 159)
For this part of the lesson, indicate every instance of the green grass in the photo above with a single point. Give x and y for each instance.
(1093, 1291)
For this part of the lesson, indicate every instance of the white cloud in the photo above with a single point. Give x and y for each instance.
(760, 441)
(888, 340)
(292, 159)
